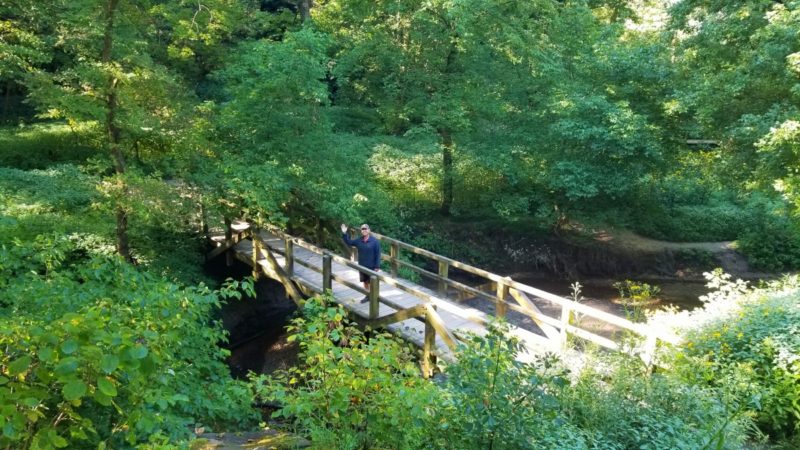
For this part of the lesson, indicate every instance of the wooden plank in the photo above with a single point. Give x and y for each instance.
(443, 274)
(500, 301)
(534, 313)
(591, 337)
(441, 329)
(277, 270)
(374, 294)
(460, 286)
(427, 362)
(399, 316)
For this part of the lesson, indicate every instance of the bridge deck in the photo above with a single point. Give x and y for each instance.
(458, 318)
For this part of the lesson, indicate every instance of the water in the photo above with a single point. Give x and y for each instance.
(683, 295)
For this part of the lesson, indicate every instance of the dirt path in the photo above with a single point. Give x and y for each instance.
(725, 252)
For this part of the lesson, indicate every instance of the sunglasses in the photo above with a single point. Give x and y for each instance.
(364, 228)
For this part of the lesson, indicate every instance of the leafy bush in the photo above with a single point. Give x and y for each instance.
(690, 223)
(100, 354)
(41, 145)
(492, 400)
(352, 390)
(616, 402)
(753, 349)
(773, 243)
(636, 293)
(59, 188)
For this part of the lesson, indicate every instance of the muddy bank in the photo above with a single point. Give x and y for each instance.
(604, 254)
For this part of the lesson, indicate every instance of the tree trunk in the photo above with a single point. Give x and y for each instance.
(305, 9)
(445, 134)
(6, 102)
(113, 134)
(447, 171)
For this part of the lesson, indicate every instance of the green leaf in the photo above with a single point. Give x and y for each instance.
(20, 365)
(106, 387)
(9, 431)
(74, 390)
(69, 347)
(46, 354)
(102, 398)
(66, 366)
(56, 440)
(138, 352)
(109, 363)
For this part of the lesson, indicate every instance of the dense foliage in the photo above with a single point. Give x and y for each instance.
(543, 112)
(350, 392)
(98, 353)
(745, 343)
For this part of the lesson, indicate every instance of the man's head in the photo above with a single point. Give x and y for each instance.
(364, 229)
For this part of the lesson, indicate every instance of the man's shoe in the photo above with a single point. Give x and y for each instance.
(365, 299)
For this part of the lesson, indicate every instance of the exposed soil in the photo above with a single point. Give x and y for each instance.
(724, 253)
(581, 253)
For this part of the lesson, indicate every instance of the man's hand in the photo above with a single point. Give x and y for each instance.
(344, 228)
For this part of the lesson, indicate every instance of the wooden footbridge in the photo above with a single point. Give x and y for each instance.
(434, 318)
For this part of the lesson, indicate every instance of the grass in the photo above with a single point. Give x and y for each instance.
(42, 145)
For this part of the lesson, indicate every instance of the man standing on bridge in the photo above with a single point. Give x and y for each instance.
(369, 253)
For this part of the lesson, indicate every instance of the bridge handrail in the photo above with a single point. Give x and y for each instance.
(432, 301)
(564, 303)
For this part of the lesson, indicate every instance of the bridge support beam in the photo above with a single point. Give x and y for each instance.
(374, 295)
(228, 242)
(428, 358)
(326, 271)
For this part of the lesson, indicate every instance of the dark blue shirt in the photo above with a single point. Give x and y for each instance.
(369, 253)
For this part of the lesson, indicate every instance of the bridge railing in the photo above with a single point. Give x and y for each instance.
(557, 329)
(424, 312)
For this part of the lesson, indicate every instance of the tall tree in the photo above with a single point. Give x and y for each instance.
(431, 65)
(105, 74)
(738, 63)
(24, 33)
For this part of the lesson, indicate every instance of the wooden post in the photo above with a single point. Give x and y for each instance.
(444, 268)
(427, 349)
(289, 250)
(228, 242)
(500, 301)
(374, 293)
(326, 271)
(256, 252)
(394, 255)
(566, 311)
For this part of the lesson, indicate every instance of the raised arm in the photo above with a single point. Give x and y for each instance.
(345, 237)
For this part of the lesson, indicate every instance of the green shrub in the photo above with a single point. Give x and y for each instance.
(693, 223)
(752, 350)
(492, 400)
(44, 144)
(101, 354)
(636, 293)
(616, 402)
(352, 390)
(773, 244)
